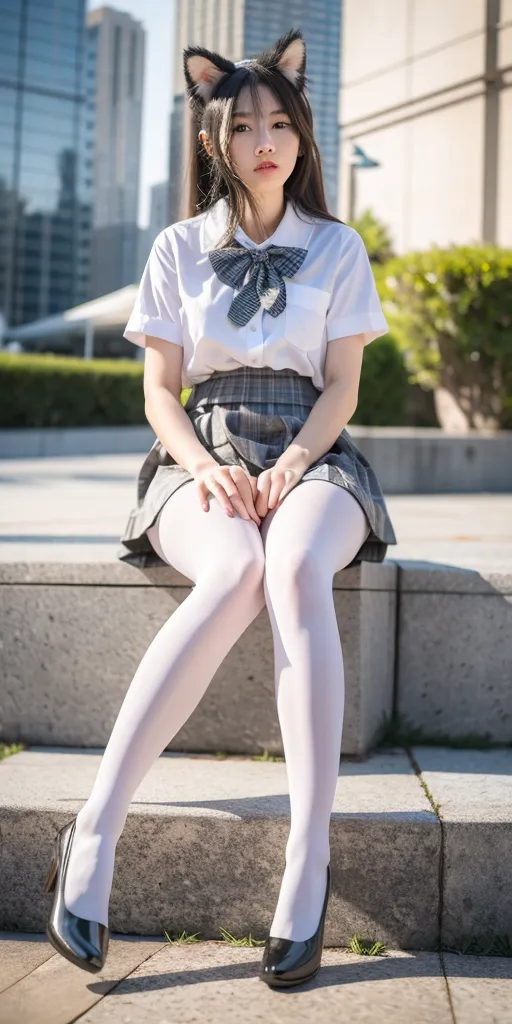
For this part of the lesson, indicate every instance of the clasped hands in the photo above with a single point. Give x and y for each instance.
(249, 496)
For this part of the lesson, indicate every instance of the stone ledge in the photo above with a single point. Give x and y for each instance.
(365, 576)
(454, 653)
(66, 674)
(407, 460)
(437, 578)
(474, 791)
(204, 828)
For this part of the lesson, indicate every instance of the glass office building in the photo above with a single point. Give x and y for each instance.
(46, 182)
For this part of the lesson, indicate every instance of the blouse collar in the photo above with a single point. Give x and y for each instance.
(292, 229)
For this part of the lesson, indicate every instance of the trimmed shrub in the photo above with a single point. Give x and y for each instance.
(451, 313)
(63, 391)
(376, 237)
(383, 385)
(47, 390)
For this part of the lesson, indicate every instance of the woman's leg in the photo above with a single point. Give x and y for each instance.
(315, 532)
(224, 558)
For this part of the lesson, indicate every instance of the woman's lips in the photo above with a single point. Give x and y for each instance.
(261, 170)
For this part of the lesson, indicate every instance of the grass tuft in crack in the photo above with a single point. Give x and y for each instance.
(366, 946)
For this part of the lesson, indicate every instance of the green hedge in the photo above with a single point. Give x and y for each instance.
(383, 386)
(451, 313)
(63, 391)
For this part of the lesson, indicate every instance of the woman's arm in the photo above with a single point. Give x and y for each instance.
(164, 412)
(335, 406)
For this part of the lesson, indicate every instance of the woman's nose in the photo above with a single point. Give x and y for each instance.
(264, 138)
(265, 143)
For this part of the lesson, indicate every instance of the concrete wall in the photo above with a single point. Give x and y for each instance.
(415, 99)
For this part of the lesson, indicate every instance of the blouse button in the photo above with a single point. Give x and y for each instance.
(253, 328)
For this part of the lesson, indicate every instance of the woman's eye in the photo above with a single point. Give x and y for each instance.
(286, 124)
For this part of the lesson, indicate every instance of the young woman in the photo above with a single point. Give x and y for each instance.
(262, 302)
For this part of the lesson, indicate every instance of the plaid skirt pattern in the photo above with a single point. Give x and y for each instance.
(248, 417)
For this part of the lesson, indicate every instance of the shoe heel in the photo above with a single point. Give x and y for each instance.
(51, 878)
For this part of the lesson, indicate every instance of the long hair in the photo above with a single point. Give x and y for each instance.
(212, 178)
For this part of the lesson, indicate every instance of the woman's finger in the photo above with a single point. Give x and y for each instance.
(243, 483)
(263, 487)
(219, 492)
(240, 492)
(223, 482)
(276, 486)
(282, 489)
(203, 491)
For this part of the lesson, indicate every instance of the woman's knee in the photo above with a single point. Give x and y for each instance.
(294, 567)
(244, 568)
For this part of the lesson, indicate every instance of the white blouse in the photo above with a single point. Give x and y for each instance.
(181, 299)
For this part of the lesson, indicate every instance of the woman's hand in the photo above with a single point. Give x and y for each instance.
(231, 485)
(274, 484)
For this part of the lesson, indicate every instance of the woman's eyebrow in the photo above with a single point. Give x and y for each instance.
(247, 113)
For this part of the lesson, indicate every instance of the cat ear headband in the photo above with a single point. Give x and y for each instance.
(204, 68)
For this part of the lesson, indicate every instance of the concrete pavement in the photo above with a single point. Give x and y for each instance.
(150, 980)
(69, 509)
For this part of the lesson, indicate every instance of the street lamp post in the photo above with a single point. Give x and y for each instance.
(89, 340)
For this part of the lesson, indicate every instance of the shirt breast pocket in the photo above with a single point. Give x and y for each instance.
(305, 314)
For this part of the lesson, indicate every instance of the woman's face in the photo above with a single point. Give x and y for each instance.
(257, 139)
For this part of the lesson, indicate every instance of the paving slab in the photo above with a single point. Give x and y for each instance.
(216, 982)
(211, 837)
(20, 954)
(474, 791)
(58, 992)
(480, 988)
(148, 980)
(221, 986)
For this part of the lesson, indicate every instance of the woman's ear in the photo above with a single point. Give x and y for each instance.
(205, 142)
(203, 70)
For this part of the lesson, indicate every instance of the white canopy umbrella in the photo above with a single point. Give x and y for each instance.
(112, 310)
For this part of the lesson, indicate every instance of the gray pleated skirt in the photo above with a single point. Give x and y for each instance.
(248, 417)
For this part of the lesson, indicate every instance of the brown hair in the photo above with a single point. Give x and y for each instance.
(211, 178)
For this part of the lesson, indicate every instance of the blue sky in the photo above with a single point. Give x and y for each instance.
(157, 17)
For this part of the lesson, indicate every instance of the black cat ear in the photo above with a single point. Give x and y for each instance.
(288, 55)
(203, 68)
(203, 71)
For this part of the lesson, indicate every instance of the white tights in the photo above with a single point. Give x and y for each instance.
(288, 563)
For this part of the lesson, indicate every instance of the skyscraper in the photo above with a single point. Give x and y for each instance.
(116, 45)
(45, 170)
(239, 29)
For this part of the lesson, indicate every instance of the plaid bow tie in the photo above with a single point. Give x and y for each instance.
(265, 286)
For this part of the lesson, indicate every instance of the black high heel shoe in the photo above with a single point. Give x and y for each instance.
(83, 942)
(293, 961)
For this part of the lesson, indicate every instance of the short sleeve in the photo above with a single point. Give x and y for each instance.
(157, 304)
(355, 305)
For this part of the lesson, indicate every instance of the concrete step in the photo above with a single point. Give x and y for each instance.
(204, 841)
(427, 644)
(75, 633)
(454, 653)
